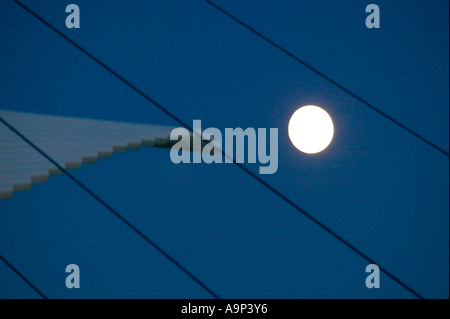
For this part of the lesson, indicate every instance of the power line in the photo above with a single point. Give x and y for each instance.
(112, 210)
(103, 65)
(23, 277)
(250, 173)
(321, 74)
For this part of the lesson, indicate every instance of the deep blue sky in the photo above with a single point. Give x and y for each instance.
(377, 186)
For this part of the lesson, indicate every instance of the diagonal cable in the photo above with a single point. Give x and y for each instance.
(112, 210)
(246, 170)
(330, 80)
(29, 283)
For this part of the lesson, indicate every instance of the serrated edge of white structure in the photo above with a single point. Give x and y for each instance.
(88, 159)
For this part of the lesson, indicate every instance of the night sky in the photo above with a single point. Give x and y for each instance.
(379, 187)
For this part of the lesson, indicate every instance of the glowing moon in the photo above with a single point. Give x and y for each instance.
(310, 129)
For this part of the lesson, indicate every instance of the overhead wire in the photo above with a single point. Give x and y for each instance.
(109, 208)
(182, 123)
(327, 78)
(29, 283)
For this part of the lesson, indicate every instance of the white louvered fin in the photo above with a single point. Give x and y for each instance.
(71, 142)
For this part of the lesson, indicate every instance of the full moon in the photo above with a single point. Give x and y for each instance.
(310, 129)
